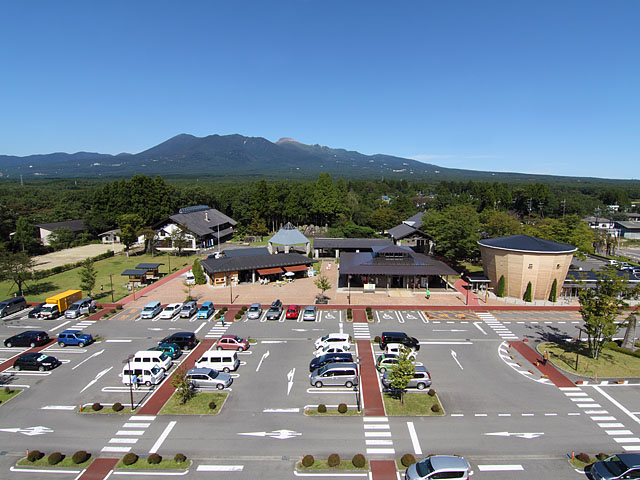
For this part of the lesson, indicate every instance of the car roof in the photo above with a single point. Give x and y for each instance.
(630, 459)
(152, 304)
(254, 305)
(395, 334)
(230, 336)
(32, 355)
(34, 332)
(206, 304)
(339, 365)
(200, 371)
(420, 368)
(70, 332)
(168, 344)
(189, 303)
(173, 305)
(448, 462)
(310, 307)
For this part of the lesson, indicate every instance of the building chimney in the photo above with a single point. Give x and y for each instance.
(206, 216)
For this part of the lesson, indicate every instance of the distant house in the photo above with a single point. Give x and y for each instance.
(111, 236)
(46, 229)
(203, 227)
(629, 229)
(409, 233)
(599, 223)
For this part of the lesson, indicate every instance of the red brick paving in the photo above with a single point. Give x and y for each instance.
(383, 470)
(371, 397)
(98, 469)
(558, 379)
(153, 286)
(470, 298)
(8, 363)
(162, 395)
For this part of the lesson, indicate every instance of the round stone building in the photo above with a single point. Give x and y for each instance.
(522, 259)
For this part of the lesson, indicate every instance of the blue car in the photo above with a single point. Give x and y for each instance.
(74, 337)
(206, 310)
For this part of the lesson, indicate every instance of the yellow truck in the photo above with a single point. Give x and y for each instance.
(57, 304)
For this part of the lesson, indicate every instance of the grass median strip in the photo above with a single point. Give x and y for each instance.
(198, 405)
(165, 464)
(414, 404)
(66, 462)
(8, 393)
(609, 363)
(323, 465)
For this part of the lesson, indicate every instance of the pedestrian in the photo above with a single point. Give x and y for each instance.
(545, 357)
(428, 294)
(222, 320)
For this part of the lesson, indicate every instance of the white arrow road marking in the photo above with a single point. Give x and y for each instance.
(273, 341)
(527, 435)
(455, 357)
(89, 358)
(279, 434)
(281, 410)
(290, 380)
(477, 324)
(29, 430)
(264, 355)
(98, 376)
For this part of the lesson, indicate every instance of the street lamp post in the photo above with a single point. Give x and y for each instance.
(578, 347)
(131, 377)
(231, 290)
(111, 284)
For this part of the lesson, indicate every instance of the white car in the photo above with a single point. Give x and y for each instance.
(170, 311)
(337, 348)
(332, 339)
(396, 348)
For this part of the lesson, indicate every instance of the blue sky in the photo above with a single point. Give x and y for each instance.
(529, 86)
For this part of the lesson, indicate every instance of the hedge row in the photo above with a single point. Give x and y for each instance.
(40, 274)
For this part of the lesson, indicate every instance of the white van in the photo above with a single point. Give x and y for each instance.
(138, 376)
(220, 360)
(149, 358)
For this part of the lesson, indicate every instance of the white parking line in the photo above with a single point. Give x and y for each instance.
(59, 326)
(414, 438)
(617, 404)
(500, 468)
(163, 437)
(220, 468)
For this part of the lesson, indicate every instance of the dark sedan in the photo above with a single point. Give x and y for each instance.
(35, 361)
(30, 338)
(320, 362)
(35, 311)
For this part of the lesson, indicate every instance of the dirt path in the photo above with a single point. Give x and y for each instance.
(72, 255)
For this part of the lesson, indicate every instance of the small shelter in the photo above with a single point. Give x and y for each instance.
(289, 236)
(137, 276)
(151, 269)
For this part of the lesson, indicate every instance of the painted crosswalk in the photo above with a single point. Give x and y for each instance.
(217, 330)
(361, 331)
(377, 436)
(81, 325)
(129, 434)
(496, 326)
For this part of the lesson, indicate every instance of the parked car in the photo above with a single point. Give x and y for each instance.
(309, 314)
(188, 309)
(219, 360)
(275, 311)
(151, 309)
(50, 311)
(171, 349)
(293, 312)
(421, 378)
(399, 337)
(35, 311)
(396, 348)
(330, 358)
(12, 305)
(342, 348)
(184, 340)
(623, 465)
(73, 338)
(208, 377)
(254, 312)
(189, 278)
(333, 339)
(35, 361)
(86, 305)
(206, 310)
(170, 311)
(439, 466)
(29, 338)
(147, 358)
(386, 361)
(232, 342)
(335, 374)
(139, 375)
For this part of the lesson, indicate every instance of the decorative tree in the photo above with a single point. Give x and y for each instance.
(16, 267)
(88, 276)
(500, 290)
(553, 294)
(322, 283)
(527, 293)
(198, 273)
(402, 372)
(184, 389)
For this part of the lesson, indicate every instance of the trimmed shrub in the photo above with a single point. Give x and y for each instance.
(333, 460)
(553, 294)
(212, 405)
(435, 408)
(130, 458)
(368, 309)
(407, 460)
(431, 392)
(80, 456)
(180, 458)
(602, 456)
(34, 455)
(308, 460)
(116, 407)
(583, 457)
(8, 390)
(154, 459)
(342, 408)
(55, 458)
(322, 408)
(96, 407)
(377, 339)
(500, 290)
(528, 293)
(118, 307)
(358, 460)
(238, 316)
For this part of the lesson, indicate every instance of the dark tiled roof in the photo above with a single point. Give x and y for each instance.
(253, 262)
(246, 252)
(410, 226)
(148, 266)
(412, 264)
(525, 243)
(629, 225)
(137, 272)
(355, 243)
(72, 225)
(202, 222)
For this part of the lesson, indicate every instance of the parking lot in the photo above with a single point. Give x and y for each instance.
(508, 422)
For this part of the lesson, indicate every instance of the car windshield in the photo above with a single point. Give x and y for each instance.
(75, 306)
(253, 308)
(41, 358)
(155, 370)
(424, 467)
(308, 310)
(615, 465)
(214, 374)
(149, 308)
(49, 308)
(237, 339)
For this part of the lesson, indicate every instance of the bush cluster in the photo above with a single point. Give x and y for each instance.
(407, 460)
(130, 458)
(322, 408)
(80, 457)
(358, 460)
(212, 405)
(96, 407)
(8, 390)
(435, 408)
(238, 315)
(35, 455)
(70, 266)
(431, 392)
(342, 408)
(333, 460)
(602, 456)
(154, 459)
(116, 407)
(55, 458)
(308, 460)
(583, 457)
(180, 458)
(377, 339)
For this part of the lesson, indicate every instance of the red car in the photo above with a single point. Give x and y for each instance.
(232, 342)
(293, 311)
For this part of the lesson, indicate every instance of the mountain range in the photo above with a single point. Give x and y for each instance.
(237, 156)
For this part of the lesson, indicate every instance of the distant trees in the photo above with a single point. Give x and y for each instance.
(456, 231)
(130, 225)
(16, 267)
(88, 276)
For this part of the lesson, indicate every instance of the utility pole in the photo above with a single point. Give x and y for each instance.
(111, 284)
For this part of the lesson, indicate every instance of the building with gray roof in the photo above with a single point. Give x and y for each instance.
(335, 246)
(288, 236)
(410, 233)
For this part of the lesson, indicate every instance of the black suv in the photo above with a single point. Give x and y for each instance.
(275, 310)
(185, 340)
(35, 361)
(30, 338)
(399, 337)
(330, 358)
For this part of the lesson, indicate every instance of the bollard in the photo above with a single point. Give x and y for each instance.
(573, 455)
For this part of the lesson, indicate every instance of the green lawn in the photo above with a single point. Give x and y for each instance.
(108, 409)
(39, 291)
(7, 395)
(334, 412)
(198, 405)
(165, 464)
(472, 268)
(414, 404)
(322, 465)
(609, 364)
(66, 462)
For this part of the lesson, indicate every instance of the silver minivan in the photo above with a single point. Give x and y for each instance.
(79, 308)
(335, 374)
